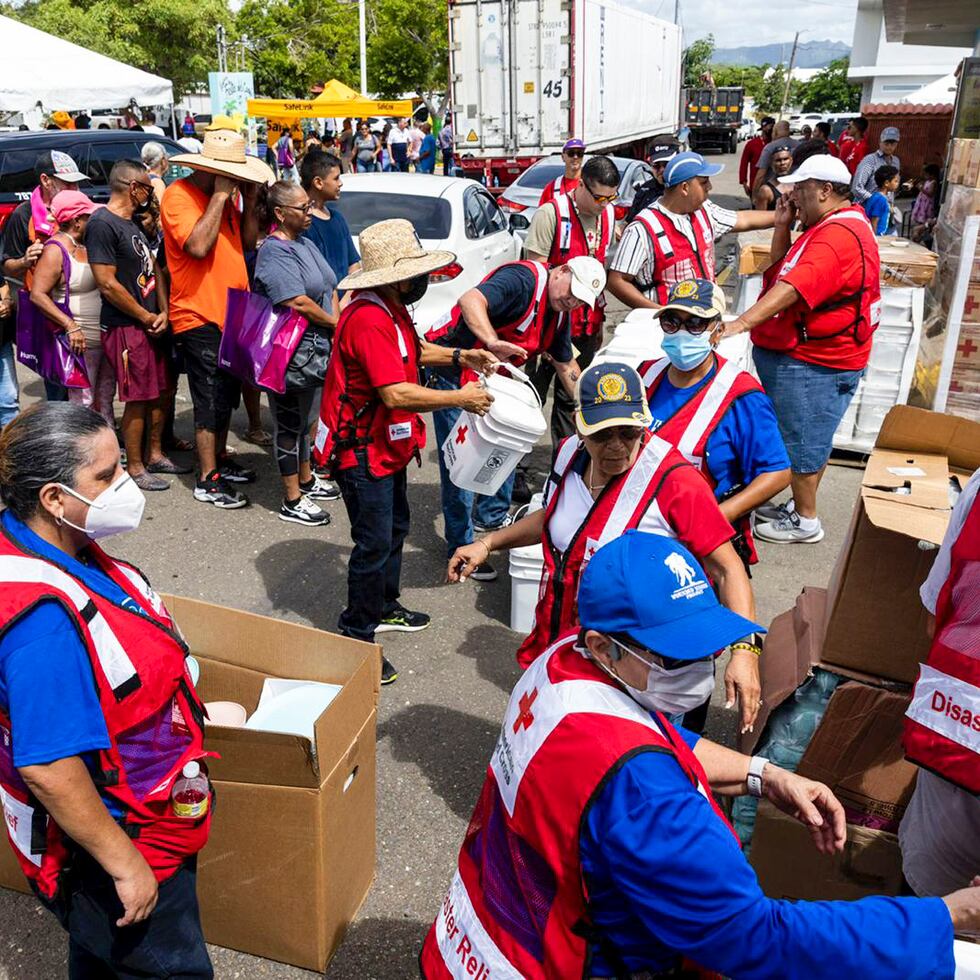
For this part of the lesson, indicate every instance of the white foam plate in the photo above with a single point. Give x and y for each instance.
(291, 707)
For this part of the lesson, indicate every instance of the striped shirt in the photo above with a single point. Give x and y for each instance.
(863, 185)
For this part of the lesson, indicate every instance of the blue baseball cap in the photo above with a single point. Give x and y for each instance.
(608, 395)
(687, 166)
(699, 297)
(653, 589)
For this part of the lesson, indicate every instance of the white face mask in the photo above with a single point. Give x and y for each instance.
(117, 509)
(672, 692)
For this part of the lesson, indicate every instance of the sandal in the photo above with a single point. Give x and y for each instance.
(147, 481)
(257, 437)
(166, 465)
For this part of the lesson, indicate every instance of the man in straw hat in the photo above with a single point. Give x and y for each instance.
(369, 427)
(206, 239)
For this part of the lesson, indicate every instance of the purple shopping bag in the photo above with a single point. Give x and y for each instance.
(42, 346)
(258, 340)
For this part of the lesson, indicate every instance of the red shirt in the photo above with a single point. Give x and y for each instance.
(748, 166)
(567, 186)
(834, 150)
(855, 152)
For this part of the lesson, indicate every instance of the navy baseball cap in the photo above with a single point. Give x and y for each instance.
(699, 297)
(608, 395)
(652, 589)
(687, 166)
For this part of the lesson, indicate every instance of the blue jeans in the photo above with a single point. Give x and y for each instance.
(9, 390)
(458, 505)
(379, 521)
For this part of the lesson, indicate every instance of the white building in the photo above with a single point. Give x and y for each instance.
(890, 70)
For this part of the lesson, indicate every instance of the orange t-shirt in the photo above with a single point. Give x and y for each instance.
(199, 287)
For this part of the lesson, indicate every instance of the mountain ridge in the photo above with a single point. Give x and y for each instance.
(809, 54)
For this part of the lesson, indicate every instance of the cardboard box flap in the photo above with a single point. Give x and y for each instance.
(916, 430)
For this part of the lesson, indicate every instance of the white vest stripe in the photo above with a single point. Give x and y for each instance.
(940, 702)
(654, 224)
(562, 462)
(542, 271)
(794, 256)
(115, 662)
(717, 391)
(564, 221)
(702, 220)
(655, 370)
(633, 489)
(139, 583)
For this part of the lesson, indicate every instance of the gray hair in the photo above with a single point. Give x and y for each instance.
(152, 155)
(47, 443)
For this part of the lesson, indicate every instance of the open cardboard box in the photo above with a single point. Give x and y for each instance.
(876, 623)
(292, 849)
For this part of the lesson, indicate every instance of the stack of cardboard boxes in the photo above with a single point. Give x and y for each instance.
(869, 626)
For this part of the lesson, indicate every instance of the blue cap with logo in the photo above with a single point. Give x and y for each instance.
(652, 589)
(687, 166)
(610, 394)
(699, 297)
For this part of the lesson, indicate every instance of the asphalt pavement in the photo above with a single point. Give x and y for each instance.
(436, 725)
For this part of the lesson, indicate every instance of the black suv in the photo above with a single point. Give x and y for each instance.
(94, 150)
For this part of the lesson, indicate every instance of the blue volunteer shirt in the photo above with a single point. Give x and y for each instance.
(666, 877)
(333, 238)
(46, 683)
(745, 443)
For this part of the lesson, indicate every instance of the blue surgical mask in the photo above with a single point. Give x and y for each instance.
(685, 350)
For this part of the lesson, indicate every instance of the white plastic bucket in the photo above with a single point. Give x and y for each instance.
(480, 453)
(526, 567)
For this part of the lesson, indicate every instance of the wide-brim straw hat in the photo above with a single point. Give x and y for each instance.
(224, 153)
(391, 252)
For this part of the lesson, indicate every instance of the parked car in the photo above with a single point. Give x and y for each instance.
(798, 121)
(94, 150)
(839, 122)
(520, 200)
(448, 213)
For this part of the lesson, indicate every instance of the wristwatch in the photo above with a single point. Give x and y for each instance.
(456, 355)
(756, 764)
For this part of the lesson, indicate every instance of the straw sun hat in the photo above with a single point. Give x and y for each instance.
(391, 252)
(224, 153)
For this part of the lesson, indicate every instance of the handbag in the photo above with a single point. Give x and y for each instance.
(308, 365)
(42, 345)
(259, 340)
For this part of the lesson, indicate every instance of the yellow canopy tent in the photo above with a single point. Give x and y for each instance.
(335, 101)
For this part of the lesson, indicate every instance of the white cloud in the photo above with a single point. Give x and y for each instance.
(752, 22)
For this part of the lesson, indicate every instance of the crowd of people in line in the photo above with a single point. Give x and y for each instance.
(661, 479)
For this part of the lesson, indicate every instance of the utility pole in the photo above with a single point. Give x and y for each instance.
(362, 27)
(789, 74)
(222, 48)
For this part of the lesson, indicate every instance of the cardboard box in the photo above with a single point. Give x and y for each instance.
(876, 622)
(292, 850)
(857, 751)
(789, 866)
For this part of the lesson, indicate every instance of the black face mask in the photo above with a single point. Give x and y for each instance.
(414, 289)
(141, 209)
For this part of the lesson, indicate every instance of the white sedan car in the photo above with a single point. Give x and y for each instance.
(448, 213)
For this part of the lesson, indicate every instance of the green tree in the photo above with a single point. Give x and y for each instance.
(697, 59)
(172, 38)
(750, 77)
(830, 91)
(770, 94)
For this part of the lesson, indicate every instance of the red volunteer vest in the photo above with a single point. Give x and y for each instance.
(620, 507)
(560, 185)
(848, 320)
(670, 247)
(569, 242)
(690, 428)
(153, 716)
(518, 906)
(391, 438)
(942, 724)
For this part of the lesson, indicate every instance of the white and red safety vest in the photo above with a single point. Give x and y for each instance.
(942, 724)
(691, 426)
(623, 503)
(571, 241)
(670, 247)
(153, 716)
(518, 905)
(852, 317)
(560, 185)
(534, 329)
(390, 437)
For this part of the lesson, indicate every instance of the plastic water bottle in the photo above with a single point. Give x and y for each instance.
(191, 795)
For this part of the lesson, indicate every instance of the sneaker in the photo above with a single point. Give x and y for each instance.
(402, 620)
(774, 512)
(389, 672)
(233, 472)
(319, 489)
(522, 492)
(303, 511)
(787, 530)
(213, 490)
(484, 573)
(486, 528)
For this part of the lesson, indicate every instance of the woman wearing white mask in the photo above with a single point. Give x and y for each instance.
(716, 414)
(98, 712)
(612, 476)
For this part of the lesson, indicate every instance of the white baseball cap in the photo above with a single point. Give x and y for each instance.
(588, 278)
(823, 166)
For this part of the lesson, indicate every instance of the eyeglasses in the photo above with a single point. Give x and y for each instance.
(625, 433)
(141, 183)
(658, 659)
(305, 208)
(600, 198)
(575, 154)
(671, 322)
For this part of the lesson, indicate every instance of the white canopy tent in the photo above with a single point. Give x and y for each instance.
(38, 67)
(940, 92)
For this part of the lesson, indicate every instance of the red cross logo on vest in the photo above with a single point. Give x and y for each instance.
(968, 348)
(461, 435)
(524, 718)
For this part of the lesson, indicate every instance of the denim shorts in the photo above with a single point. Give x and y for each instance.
(810, 400)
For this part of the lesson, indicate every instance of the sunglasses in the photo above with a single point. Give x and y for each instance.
(658, 659)
(575, 154)
(600, 198)
(625, 433)
(671, 322)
